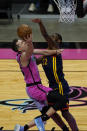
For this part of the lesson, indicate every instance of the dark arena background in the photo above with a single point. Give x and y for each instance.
(15, 106)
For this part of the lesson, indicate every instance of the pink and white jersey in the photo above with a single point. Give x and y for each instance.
(34, 88)
(31, 74)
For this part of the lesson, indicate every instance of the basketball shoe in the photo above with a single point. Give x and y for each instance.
(19, 128)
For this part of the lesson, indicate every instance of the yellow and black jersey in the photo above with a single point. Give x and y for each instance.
(53, 68)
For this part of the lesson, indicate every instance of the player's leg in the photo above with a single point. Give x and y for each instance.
(59, 102)
(58, 120)
(36, 122)
(45, 116)
(79, 8)
(40, 124)
(1, 128)
(38, 93)
(70, 119)
(85, 7)
(52, 96)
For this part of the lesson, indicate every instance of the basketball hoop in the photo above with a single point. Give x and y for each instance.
(67, 10)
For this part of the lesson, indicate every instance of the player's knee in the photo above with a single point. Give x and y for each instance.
(65, 113)
(45, 109)
(44, 117)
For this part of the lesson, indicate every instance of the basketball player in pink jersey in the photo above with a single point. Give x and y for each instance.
(34, 88)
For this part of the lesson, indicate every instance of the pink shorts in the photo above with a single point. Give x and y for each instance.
(38, 92)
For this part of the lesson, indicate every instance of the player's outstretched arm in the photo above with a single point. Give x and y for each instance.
(28, 50)
(47, 52)
(44, 32)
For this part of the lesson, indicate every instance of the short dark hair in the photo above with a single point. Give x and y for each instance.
(14, 46)
(58, 36)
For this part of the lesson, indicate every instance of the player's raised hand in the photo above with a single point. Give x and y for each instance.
(36, 20)
(28, 40)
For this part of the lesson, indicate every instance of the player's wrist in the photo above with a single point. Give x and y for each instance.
(40, 22)
(56, 52)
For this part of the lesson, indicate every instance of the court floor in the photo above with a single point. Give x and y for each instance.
(12, 86)
(12, 94)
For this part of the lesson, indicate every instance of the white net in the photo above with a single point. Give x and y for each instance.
(67, 10)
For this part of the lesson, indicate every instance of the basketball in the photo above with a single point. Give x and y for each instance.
(24, 30)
